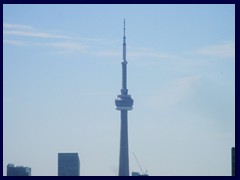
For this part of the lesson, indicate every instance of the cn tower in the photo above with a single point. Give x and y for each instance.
(124, 103)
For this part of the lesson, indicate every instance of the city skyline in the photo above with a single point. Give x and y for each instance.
(61, 72)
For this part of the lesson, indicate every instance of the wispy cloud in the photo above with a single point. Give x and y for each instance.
(67, 45)
(15, 42)
(224, 50)
(34, 34)
(13, 32)
(17, 26)
(28, 31)
(102, 41)
(62, 48)
(59, 48)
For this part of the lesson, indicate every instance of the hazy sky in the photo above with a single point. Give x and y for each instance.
(62, 73)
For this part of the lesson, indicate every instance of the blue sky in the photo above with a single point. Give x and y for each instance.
(62, 72)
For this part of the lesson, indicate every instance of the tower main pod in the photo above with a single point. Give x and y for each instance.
(124, 103)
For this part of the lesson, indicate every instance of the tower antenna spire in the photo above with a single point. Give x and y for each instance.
(124, 42)
(124, 27)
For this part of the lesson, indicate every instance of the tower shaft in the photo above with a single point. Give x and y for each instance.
(124, 90)
(123, 157)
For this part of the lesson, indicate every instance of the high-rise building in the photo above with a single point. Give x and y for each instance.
(18, 170)
(68, 164)
(233, 161)
(124, 103)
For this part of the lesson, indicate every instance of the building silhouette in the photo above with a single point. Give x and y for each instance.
(233, 161)
(138, 174)
(68, 164)
(124, 103)
(18, 170)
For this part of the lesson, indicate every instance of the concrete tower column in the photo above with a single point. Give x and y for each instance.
(123, 157)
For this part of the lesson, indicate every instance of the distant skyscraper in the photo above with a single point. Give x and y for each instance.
(124, 103)
(68, 164)
(18, 170)
(233, 161)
